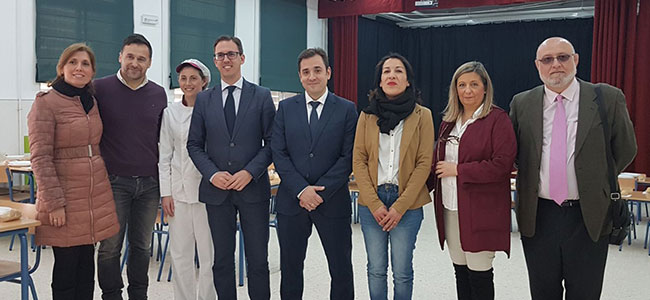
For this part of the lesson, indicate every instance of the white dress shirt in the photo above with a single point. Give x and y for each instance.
(449, 185)
(179, 177)
(389, 144)
(571, 105)
(121, 79)
(319, 109)
(236, 94)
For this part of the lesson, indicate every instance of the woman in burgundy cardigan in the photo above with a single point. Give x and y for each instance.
(474, 155)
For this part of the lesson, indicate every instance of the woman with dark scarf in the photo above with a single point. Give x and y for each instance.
(393, 149)
(74, 201)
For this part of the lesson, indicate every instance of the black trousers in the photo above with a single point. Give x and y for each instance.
(73, 275)
(254, 221)
(561, 250)
(336, 237)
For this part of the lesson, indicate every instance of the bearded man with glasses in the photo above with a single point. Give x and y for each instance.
(562, 184)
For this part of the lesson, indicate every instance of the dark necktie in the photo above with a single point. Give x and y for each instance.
(229, 109)
(313, 118)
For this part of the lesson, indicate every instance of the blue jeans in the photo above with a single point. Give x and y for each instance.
(402, 243)
(136, 203)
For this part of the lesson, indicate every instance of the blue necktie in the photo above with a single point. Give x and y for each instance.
(313, 118)
(229, 109)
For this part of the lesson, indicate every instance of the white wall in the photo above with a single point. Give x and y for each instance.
(18, 58)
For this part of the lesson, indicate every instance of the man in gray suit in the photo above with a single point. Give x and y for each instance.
(562, 184)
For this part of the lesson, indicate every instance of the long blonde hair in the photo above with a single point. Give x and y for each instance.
(454, 108)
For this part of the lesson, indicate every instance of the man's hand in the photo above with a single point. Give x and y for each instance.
(221, 179)
(57, 217)
(390, 220)
(446, 169)
(239, 180)
(168, 206)
(309, 199)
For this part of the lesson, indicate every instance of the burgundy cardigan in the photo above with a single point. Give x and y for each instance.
(486, 154)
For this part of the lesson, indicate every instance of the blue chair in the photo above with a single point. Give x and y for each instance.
(354, 196)
(10, 271)
(273, 222)
(242, 255)
(31, 199)
(160, 231)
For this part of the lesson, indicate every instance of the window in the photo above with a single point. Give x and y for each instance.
(102, 24)
(194, 26)
(283, 35)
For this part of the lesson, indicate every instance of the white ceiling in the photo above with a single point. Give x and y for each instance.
(565, 9)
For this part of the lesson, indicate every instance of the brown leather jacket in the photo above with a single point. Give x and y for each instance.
(69, 171)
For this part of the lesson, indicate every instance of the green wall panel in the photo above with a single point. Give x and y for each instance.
(283, 35)
(194, 26)
(102, 24)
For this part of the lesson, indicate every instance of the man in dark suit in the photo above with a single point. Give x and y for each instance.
(562, 184)
(312, 144)
(229, 142)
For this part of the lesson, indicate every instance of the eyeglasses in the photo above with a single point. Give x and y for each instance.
(452, 139)
(231, 55)
(562, 58)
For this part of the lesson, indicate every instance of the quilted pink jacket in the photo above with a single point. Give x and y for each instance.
(69, 171)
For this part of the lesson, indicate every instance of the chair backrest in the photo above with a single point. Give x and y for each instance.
(626, 184)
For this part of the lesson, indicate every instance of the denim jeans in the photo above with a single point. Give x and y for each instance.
(402, 243)
(136, 203)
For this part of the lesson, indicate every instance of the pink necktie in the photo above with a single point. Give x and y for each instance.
(559, 188)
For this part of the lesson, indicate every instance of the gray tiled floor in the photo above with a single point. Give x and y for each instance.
(627, 275)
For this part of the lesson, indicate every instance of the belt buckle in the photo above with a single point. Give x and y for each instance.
(570, 203)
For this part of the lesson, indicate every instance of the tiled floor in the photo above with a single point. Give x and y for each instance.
(627, 275)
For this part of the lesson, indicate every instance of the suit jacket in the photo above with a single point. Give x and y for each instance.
(212, 149)
(486, 153)
(526, 113)
(324, 160)
(416, 153)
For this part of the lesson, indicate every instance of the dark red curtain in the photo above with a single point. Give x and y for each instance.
(344, 33)
(331, 8)
(620, 57)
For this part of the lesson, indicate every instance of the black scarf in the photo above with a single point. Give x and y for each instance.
(390, 112)
(84, 93)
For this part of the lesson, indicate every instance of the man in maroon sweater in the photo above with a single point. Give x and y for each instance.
(131, 108)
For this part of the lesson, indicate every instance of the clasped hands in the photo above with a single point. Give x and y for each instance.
(387, 218)
(226, 181)
(309, 199)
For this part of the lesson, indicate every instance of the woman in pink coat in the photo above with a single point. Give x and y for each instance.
(474, 155)
(74, 200)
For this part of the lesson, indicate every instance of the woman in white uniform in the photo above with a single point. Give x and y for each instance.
(179, 189)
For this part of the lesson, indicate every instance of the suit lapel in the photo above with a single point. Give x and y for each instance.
(587, 112)
(325, 115)
(218, 107)
(245, 100)
(536, 118)
(410, 124)
(301, 107)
